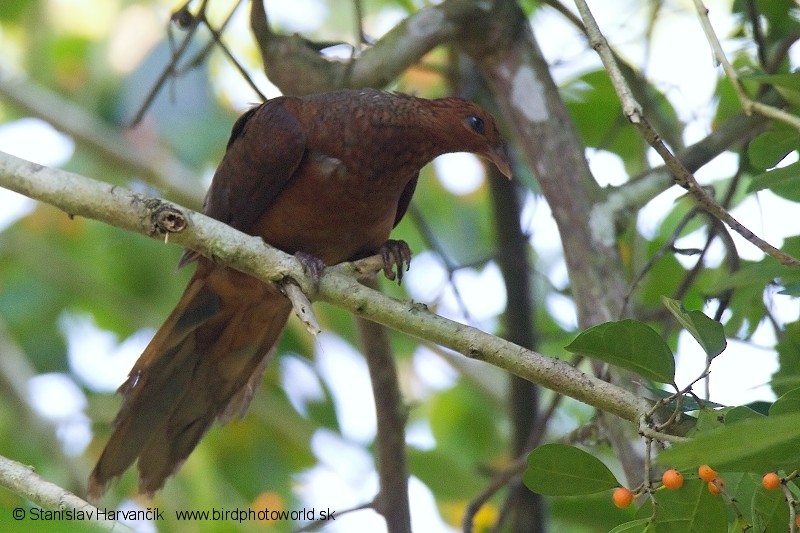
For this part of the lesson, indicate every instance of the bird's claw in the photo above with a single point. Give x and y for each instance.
(312, 265)
(395, 253)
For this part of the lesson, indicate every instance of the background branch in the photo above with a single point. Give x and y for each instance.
(296, 66)
(15, 375)
(24, 481)
(683, 177)
(391, 413)
(527, 509)
(748, 104)
(155, 163)
(736, 131)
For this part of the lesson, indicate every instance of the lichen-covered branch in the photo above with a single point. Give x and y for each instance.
(81, 196)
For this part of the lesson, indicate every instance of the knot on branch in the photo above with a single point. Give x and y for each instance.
(165, 218)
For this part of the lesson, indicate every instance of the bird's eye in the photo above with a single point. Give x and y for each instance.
(476, 123)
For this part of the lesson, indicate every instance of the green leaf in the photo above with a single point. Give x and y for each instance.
(787, 377)
(707, 419)
(444, 473)
(666, 272)
(628, 344)
(598, 117)
(791, 289)
(690, 510)
(706, 331)
(766, 150)
(581, 95)
(636, 526)
(771, 444)
(741, 412)
(561, 470)
(769, 510)
(13, 10)
(788, 85)
(786, 404)
(782, 181)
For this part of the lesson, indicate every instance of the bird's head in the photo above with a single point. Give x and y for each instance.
(476, 132)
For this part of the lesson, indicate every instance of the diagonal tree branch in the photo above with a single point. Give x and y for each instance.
(81, 196)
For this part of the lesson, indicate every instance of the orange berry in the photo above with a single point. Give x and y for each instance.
(716, 486)
(672, 479)
(797, 521)
(622, 497)
(771, 481)
(707, 473)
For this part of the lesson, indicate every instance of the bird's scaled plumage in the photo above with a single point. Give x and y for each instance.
(326, 176)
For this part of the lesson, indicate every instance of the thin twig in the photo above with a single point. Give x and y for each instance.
(430, 240)
(758, 31)
(791, 501)
(648, 463)
(217, 35)
(780, 51)
(361, 37)
(202, 55)
(565, 12)
(302, 307)
(668, 246)
(652, 434)
(173, 69)
(498, 482)
(687, 180)
(630, 107)
(170, 70)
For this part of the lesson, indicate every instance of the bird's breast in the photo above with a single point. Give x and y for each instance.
(334, 210)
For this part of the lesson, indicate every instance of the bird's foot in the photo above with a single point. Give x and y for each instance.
(395, 253)
(312, 265)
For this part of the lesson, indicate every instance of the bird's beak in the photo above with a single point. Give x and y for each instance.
(498, 155)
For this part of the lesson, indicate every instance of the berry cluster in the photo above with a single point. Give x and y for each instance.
(673, 480)
(710, 476)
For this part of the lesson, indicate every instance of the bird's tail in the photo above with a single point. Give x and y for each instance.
(203, 364)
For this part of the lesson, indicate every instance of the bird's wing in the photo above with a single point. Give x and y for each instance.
(264, 151)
